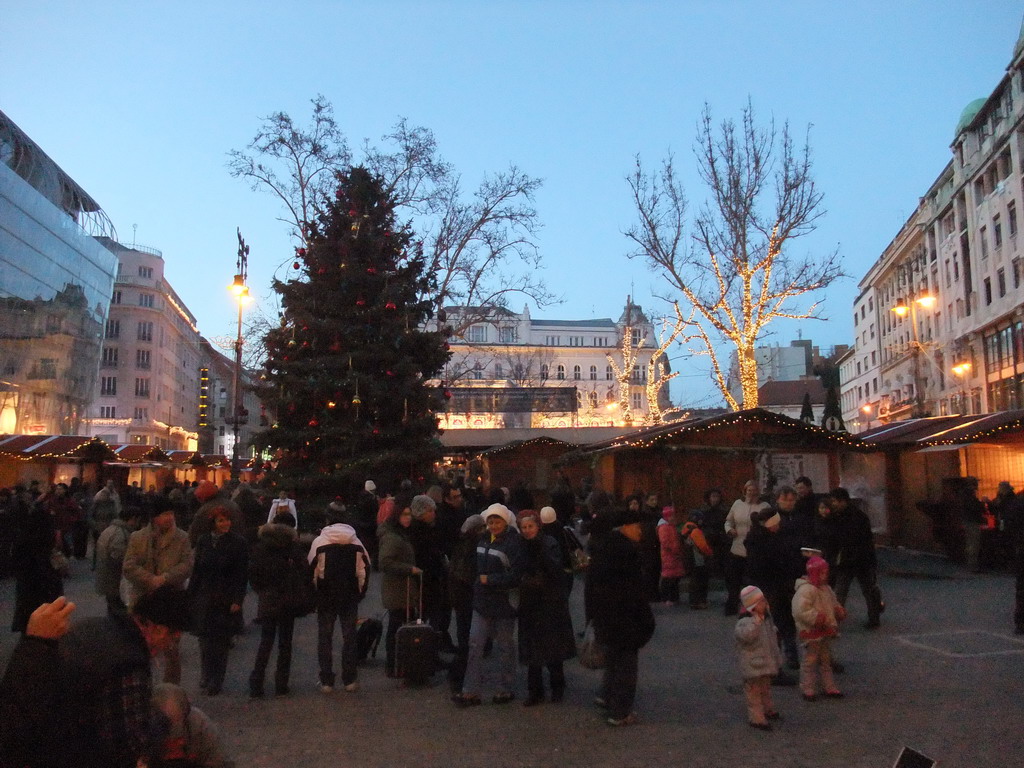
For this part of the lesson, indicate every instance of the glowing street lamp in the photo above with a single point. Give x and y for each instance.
(240, 291)
(902, 309)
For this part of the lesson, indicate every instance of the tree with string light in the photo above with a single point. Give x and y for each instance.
(736, 271)
(347, 367)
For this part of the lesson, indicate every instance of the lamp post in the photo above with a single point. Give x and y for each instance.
(240, 290)
(902, 309)
(962, 371)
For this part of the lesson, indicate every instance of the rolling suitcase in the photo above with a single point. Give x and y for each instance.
(416, 644)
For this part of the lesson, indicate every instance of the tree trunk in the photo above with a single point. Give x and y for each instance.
(748, 375)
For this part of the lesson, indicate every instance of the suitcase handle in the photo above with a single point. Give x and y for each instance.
(408, 605)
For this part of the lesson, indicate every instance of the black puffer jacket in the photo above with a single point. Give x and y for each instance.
(276, 569)
(614, 594)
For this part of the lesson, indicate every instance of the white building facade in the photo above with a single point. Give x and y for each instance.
(526, 358)
(148, 389)
(940, 315)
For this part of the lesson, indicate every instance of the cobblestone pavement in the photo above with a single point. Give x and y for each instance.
(944, 675)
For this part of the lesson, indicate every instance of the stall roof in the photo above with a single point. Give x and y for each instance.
(131, 453)
(650, 436)
(55, 447)
(186, 457)
(483, 439)
(946, 430)
(535, 441)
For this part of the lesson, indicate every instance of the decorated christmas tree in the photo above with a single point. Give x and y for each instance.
(347, 371)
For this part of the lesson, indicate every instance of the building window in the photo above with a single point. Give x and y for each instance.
(577, 374)
(600, 341)
(113, 329)
(508, 335)
(1001, 282)
(560, 372)
(544, 372)
(145, 299)
(983, 236)
(636, 336)
(145, 331)
(997, 232)
(553, 341)
(593, 373)
(142, 414)
(592, 399)
(477, 333)
(221, 430)
(115, 297)
(108, 412)
(109, 357)
(499, 372)
(1011, 217)
(108, 385)
(608, 374)
(988, 291)
(1018, 272)
(142, 387)
(478, 371)
(146, 272)
(142, 357)
(610, 397)
(637, 401)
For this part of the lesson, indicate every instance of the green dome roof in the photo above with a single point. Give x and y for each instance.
(970, 112)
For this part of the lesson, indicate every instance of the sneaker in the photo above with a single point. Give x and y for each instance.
(324, 688)
(617, 722)
(352, 687)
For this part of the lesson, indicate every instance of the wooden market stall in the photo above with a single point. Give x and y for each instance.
(52, 459)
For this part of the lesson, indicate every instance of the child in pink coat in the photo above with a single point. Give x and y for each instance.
(817, 614)
(672, 570)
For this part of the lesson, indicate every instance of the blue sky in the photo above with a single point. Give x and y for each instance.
(140, 102)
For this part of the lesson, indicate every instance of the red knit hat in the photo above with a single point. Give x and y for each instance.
(205, 491)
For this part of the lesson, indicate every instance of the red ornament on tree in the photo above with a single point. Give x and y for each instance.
(371, 270)
(390, 305)
(353, 212)
(447, 394)
(389, 373)
(314, 423)
(300, 252)
(360, 302)
(296, 265)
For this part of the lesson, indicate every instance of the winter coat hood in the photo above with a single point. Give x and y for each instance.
(339, 533)
(277, 536)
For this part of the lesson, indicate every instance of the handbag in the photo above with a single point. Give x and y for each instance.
(592, 653)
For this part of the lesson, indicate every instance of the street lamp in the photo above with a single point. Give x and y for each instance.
(962, 370)
(902, 309)
(240, 291)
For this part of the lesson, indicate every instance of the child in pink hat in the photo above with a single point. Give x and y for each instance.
(757, 641)
(817, 614)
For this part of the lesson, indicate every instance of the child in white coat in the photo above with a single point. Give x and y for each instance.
(817, 613)
(757, 641)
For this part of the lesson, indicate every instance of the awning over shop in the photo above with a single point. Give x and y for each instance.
(947, 430)
(30, 447)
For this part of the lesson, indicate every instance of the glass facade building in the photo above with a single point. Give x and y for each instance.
(56, 281)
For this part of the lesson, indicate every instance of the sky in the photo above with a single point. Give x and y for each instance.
(141, 102)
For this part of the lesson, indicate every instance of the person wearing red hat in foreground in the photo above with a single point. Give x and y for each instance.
(757, 641)
(817, 613)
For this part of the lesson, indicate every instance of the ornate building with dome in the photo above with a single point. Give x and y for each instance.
(939, 319)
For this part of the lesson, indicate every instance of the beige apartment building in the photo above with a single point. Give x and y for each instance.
(148, 389)
(939, 319)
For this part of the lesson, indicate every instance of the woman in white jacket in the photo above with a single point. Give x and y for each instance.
(817, 614)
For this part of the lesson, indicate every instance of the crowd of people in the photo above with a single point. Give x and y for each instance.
(490, 574)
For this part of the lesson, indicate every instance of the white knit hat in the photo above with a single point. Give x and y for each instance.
(370, 486)
(498, 510)
(547, 515)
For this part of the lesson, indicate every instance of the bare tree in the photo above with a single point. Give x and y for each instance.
(629, 349)
(735, 271)
(298, 165)
(658, 374)
(480, 246)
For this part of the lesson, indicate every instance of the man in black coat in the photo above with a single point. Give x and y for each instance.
(84, 700)
(774, 563)
(855, 555)
(621, 613)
